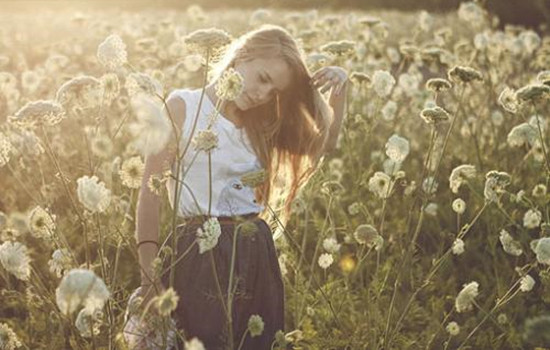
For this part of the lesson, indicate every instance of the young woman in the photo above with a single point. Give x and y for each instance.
(280, 122)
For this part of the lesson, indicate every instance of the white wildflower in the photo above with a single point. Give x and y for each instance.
(526, 283)
(15, 259)
(380, 184)
(459, 206)
(541, 247)
(465, 298)
(194, 344)
(208, 235)
(81, 287)
(60, 262)
(255, 325)
(522, 134)
(41, 223)
(397, 148)
(111, 53)
(495, 183)
(458, 246)
(325, 260)
(532, 218)
(230, 85)
(453, 328)
(460, 175)
(430, 185)
(88, 321)
(383, 82)
(93, 194)
(510, 245)
(131, 172)
(331, 245)
(8, 338)
(205, 140)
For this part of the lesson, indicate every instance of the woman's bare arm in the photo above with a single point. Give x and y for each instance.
(148, 207)
(337, 102)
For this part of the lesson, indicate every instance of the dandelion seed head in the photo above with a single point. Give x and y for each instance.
(453, 328)
(459, 206)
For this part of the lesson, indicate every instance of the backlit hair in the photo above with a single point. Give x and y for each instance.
(289, 132)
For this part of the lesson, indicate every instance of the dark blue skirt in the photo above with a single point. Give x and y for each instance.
(257, 282)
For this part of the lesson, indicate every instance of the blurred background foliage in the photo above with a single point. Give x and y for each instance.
(530, 13)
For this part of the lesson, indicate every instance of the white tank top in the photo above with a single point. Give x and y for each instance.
(232, 158)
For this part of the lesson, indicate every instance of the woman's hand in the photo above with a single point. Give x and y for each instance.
(331, 77)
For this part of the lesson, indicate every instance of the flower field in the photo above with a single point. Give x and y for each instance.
(427, 228)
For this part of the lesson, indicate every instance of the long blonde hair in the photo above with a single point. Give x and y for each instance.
(289, 132)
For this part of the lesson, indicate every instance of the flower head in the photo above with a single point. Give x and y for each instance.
(453, 328)
(339, 48)
(8, 338)
(380, 184)
(434, 115)
(230, 85)
(205, 140)
(459, 74)
(81, 287)
(208, 235)
(397, 148)
(510, 245)
(331, 245)
(367, 234)
(93, 194)
(83, 92)
(325, 260)
(460, 175)
(383, 83)
(458, 247)
(39, 113)
(459, 206)
(111, 53)
(533, 92)
(526, 283)
(41, 223)
(60, 262)
(142, 83)
(167, 302)
(208, 39)
(6, 149)
(131, 172)
(532, 218)
(495, 183)
(522, 134)
(15, 259)
(465, 298)
(507, 100)
(255, 325)
(89, 321)
(438, 85)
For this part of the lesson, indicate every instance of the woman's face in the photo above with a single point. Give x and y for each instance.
(263, 79)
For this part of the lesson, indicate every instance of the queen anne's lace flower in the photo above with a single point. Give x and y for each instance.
(15, 259)
(507, 99)
(167, 302)
(41, 223)
(510, 245)
(397, 148)
(111, 53)
(325, 260)
(532, 218)
(459, 206)
(131, 172)
(5, 149)
(81, 287)
(255, 325)
(339, 48)
(458, 246)
(527, 283)
(208, 235)
(89, 321)
(453, 328)
(230, 85)
(438, 85)
(541, 247)
(522, 134)
(331, 245)
(465, 298)
(461, 74)
(434, 115)
(208, 39)
(93, 194)
(459, 176)
(8, 338)
(495, 183)
(60, 262)
(83, 92)
(367, 234)
(383, 83)
(205, 140)
(380, 184)
(142, 83)
(39, 113)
